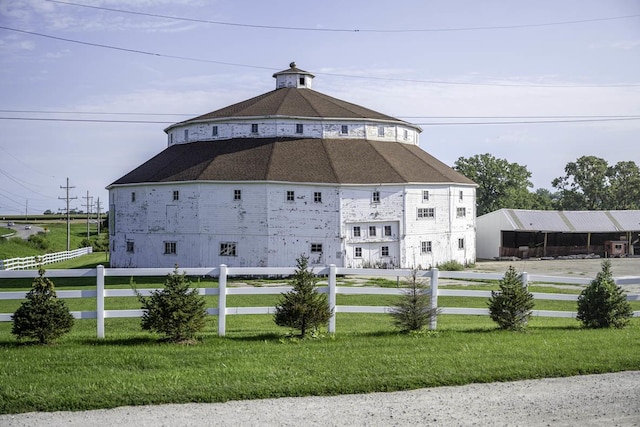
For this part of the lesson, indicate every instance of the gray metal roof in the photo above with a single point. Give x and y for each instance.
(571, 221)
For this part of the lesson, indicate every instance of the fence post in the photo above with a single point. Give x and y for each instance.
(434, 299)
(222, 300)
(525, 279)
(100, 300)
(332, 298)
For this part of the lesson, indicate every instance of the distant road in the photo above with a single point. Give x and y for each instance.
(22, 233)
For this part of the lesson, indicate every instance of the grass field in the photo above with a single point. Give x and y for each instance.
(56, 239)
(257, 360)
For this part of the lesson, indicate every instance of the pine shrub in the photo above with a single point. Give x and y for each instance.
(303, 308)
(42, 316)
(413, 310)
(177, 311)
(511, 307)
(451, 265)
(603, 304)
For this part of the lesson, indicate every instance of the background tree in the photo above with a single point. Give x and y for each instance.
(603, 304)
(177, 311)
(584, 185)
(624, 186)
(413, 310)
(42, 316)
(500, 184)
(511, 307)
(303, 308)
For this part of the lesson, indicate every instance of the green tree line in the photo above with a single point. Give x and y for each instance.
(589, 183)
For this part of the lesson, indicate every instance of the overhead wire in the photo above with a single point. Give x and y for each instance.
(353, 76)
(347, 30)
(505, 120)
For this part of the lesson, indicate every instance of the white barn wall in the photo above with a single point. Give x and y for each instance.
(206, 215)
(286, 127)
(489, 234)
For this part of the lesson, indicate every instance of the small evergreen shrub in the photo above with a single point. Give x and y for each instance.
(450, 266)
(603, 304)
(42, 316)
(177, 311)
(511, 307)
(303, 308)
(413, 310)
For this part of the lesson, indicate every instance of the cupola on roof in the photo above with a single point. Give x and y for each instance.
(293, 77)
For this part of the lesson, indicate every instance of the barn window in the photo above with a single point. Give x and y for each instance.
(425, 247)
(461, 212)
(169, 247)
(176, 195)
(299, 128)
(356, 231)
(358, 252)
(291, 196)
(317, 197)
(460, 243)
(425, 195)
(254, 128)
(406, 134)
(316, 248)
(344, 129)
(426, 212)
(133, 196)
(385, 251)
(237, 194)
(214, 131)
(130, 246)
(380, 130)
(228, 249)
(372, 230)
(387, 230)
(186, 134)
(461, 195)
(301, 80)
(375, 197)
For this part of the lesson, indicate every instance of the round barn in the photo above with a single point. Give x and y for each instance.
(291, 172)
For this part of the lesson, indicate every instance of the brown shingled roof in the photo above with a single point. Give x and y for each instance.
(295, 102)
(343, 161)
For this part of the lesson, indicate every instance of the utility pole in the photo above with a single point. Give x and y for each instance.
(88, 206)
(98, 214)
(67, 198)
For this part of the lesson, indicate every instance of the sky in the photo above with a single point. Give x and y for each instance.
(87, 87)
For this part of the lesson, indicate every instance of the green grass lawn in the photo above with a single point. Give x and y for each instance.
(56, 238)
(254, 360)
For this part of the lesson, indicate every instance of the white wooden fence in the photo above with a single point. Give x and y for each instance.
(35, 261)
(330, 273)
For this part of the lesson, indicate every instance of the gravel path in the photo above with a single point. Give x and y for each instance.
(589, 400)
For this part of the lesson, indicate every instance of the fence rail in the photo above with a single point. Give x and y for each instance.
(37, 260)
(331, 289)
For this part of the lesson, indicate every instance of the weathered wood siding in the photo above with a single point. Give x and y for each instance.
(272, 224)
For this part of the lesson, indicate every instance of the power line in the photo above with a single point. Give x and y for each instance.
(506, 122)
(351, 76)
(349, 30)
(132, 113)
(95, 113)
(523, 122)
(83, 120)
